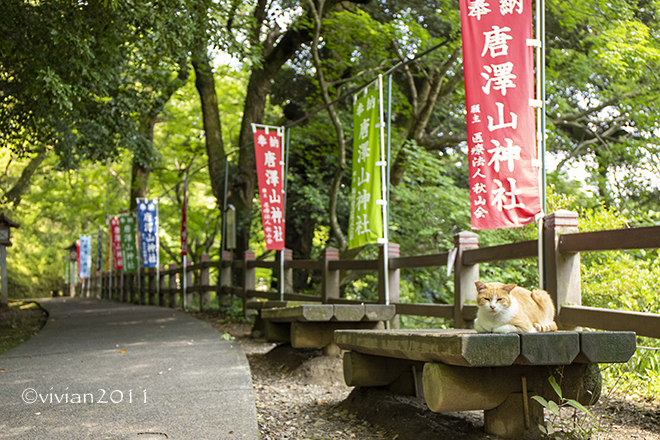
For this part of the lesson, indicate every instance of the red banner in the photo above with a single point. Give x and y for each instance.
(184, 219)
(270, 174)
(499, 83)
(115, 233)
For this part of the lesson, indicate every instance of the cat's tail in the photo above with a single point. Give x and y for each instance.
(545, 304)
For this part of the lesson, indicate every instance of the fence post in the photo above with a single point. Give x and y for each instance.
(204, 281)
(152, 286)
(190, 296)
(129, 296)
(172, 286)
(249, 277)
(288, 273)
(225, 272)
(330, 278)
(394, 275)
(562, 271)
(142, 285)
(464, 276)
(161, 286)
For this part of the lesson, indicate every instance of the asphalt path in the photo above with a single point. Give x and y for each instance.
(106, 370)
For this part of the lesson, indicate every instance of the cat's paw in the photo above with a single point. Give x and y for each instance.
(506, 329)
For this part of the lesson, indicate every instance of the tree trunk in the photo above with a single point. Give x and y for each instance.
(16, 192)
(215, 149)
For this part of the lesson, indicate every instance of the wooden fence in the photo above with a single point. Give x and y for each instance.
(563, 245)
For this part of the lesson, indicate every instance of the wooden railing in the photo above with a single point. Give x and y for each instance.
(562, 247)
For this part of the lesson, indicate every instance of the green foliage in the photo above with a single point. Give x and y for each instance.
(576, 427)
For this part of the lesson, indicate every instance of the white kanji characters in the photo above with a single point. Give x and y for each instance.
(500, 195)
(507, 6)
(480, 201)
(371, 103)
(362, 224)
(475, 108)
(364, 128)
(477, 149)
(478, 174)
(276, 214)
(148, 222)
(477, 138)
(272, 177)
(360, 108)
(278, 234)
(364, 179)
(274, 142)
(261, 140)
(362, 199)
(363, 152)
(479, 188)
(270, 160)
(501, 79)
(478, 161)
(513, 123)
(496, 41)
(477, 8)
(501, 153)
(480, 212)
(274, 197)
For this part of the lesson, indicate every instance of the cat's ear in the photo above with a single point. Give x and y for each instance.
(509, 287)
(480, 286)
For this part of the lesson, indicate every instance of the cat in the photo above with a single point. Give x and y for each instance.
(507, 308)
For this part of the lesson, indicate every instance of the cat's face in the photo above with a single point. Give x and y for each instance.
(493, 297)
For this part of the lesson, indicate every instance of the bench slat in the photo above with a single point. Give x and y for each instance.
(454, 347)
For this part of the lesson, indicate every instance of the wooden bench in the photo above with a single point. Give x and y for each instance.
(312, 325)
(460, 370)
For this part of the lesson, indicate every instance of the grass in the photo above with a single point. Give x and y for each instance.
(20, 322)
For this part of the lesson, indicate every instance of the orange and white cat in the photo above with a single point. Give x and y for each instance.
(507, 308)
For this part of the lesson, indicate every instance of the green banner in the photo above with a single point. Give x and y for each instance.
(128, 246)
(366, 219)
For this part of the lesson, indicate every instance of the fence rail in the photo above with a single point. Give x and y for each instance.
(563, 245)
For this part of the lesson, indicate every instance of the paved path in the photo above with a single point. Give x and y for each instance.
(107, 370)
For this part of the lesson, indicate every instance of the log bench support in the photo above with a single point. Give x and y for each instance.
(460, 370)
(313, 325)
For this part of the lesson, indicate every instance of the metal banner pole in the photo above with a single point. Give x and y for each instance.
(384, 195)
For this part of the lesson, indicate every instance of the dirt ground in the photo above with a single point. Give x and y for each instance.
(300, 394)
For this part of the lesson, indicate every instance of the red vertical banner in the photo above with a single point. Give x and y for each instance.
(115, 233)
(270, 174)
(499, 84)
(184, 218)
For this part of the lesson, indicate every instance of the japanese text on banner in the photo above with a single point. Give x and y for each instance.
(502, 152)
(115, 233)
(148, 232)
(128, 243)
(366, 217)
(268, 154)
(85, 256)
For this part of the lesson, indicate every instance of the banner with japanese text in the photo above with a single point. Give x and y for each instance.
(148, 232)
(115, 234)
(85, 256)
(366, 217)
(499, 84)
(270, 173)
(128, 243)
(99, 251)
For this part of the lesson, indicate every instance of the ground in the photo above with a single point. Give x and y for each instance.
(300, 394)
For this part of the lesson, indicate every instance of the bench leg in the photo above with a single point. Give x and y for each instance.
(509, 420)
